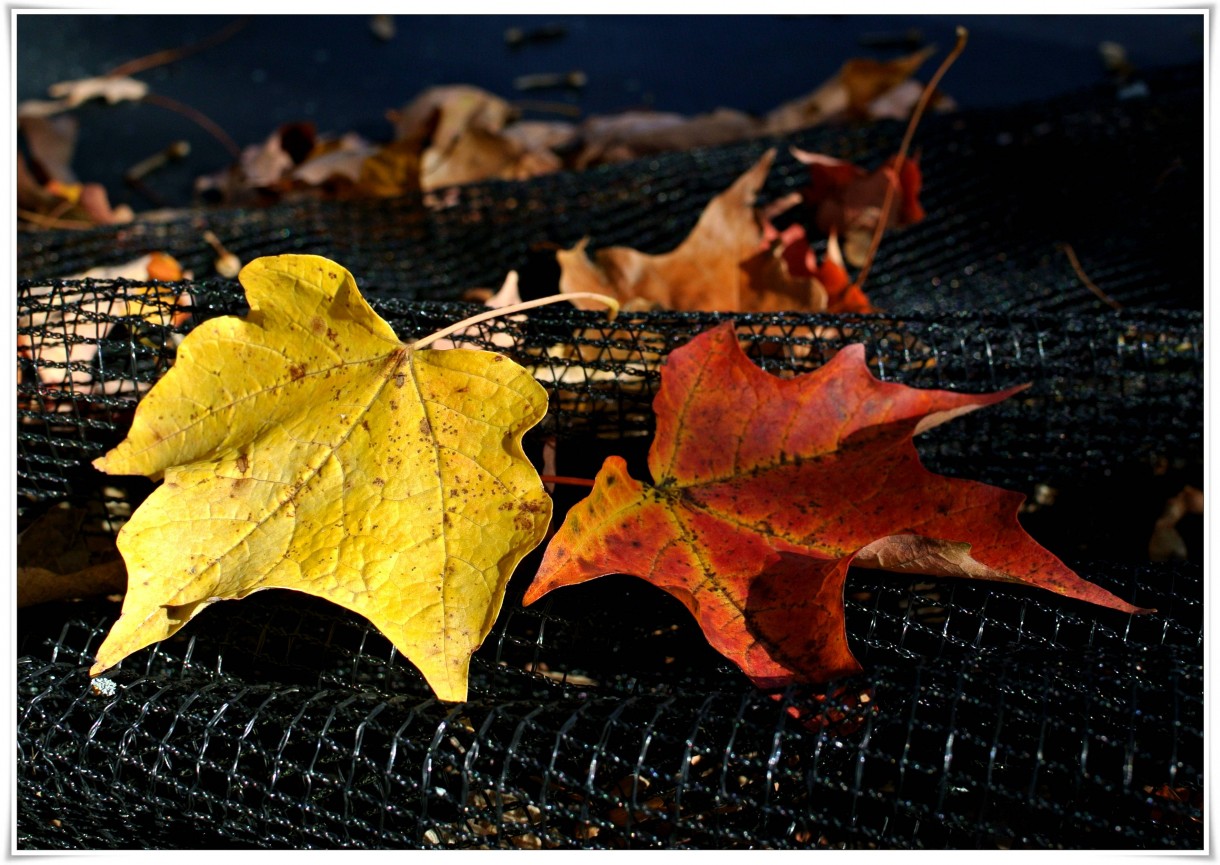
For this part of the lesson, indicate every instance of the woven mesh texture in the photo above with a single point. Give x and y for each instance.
(987, 716)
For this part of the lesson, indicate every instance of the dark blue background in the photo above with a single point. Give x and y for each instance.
(332, 70)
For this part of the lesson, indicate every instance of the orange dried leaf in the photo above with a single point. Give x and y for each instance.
(709, 270)
(850, 93)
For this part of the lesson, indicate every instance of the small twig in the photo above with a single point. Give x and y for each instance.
(199, 118)
(548, 107)
(52, 222)
(60, 209)
(1084, 277)
(145, 190)
(563, 479)
(169, 55)
(134, 176)
(176, 151)
(518, 36)
(227, 264)
(549, 80)
(924, 99)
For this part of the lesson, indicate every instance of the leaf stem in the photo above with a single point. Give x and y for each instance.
(563, 479)
(54, 222)
(198, 117)
(1084, 277)
(515, 308)
(920, 107)
(169, 55)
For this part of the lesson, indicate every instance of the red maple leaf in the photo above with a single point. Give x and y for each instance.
(767, 489)
(801, 262)
(848, 199)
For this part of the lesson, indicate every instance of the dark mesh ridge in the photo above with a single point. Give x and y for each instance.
(987, 716)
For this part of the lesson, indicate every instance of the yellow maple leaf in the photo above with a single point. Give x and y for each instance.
(305, 447)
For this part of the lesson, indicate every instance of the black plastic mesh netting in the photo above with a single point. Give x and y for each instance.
(988, 715)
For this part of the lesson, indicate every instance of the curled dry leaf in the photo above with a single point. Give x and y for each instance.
(851, 92)
(52, 143)
(305, 447)
(708, 270)
(266, 164)
(69, 94)
(1167, 543)
(63, 555)
(343, 158)
(390, 171)
(542, 135)
(897, 104)
(47, 185)
(479, 154)
(767, 489)
(632, 134)
(440, 115)
(842, 295)
(847, 199)
(457, 132)
(113, 89)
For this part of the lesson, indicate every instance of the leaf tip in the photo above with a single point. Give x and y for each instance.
(533, 593)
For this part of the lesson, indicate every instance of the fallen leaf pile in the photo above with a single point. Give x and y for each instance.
(48, 192)
(447, 136)
(765, 490)
(305, 447)
(456, 134)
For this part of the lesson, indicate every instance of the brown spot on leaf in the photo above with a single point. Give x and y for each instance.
(317, 325)
(297, 371)
(400, 379)
(242, 463)
(425, 428)
(379, 482)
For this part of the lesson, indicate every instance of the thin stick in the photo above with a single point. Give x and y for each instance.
(169, 55)
(548, 107)
(51, 222)
(197, 116)
(515, 308)
(1084, 277)
(924, 99)
(562, 479)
